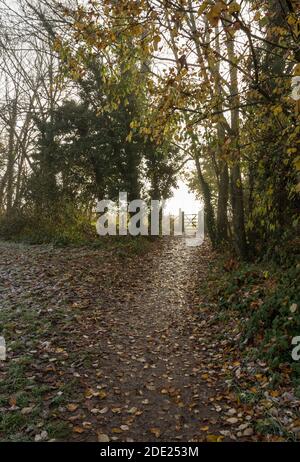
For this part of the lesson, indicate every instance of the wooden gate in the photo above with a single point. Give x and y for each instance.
(189, 223)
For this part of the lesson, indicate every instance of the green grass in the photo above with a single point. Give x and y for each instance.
(19, 388)
(58, 430)
(15, 380)
(271, 426)
(12, 422)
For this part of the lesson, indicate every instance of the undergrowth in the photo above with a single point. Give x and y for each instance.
(266, 295)
(68, 231)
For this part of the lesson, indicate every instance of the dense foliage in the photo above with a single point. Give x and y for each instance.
(123, 93)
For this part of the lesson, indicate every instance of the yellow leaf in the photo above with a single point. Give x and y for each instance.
(234, 7)
(59, 350)
(204, 429)
(116, 410)
(203, 7)
(72, 407)
(297, 164)
(116, 430)
(214, 438)
(297, 70)
(257, 16)
(137, 29)
(89, 393)
(129, 137)
(292, 20)
(214, 13)
(277, 110)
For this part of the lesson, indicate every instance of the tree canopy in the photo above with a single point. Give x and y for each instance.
(123, 93)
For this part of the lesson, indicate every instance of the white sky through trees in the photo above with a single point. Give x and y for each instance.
(183, 199)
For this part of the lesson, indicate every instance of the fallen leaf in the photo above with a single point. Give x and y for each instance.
(78, 430)
(116, 430)
(72, 407)
(132, 410)
(232, 420)
(204, 429)
(248, 432)
(214, 438)
(102, 438)
(13, 401)
(89, 393)
(26, 410)
(155, 431)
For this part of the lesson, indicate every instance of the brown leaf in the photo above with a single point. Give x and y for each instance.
(78, 430)
(155, 431)
(72, 407)
(13, 401)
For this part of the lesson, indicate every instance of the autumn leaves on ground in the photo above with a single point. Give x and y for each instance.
(104, 346)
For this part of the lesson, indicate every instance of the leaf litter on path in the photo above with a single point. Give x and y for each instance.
(121, 350)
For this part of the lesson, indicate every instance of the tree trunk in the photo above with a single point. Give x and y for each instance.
(223, 192)
(222, 219)
(236, 188)
(208, 208)
(11, 159)
(238, 218)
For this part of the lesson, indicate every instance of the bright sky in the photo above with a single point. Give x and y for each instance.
(183, 199)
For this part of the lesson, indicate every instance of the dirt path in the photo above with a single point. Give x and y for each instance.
(150, 361)
(107, 347)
